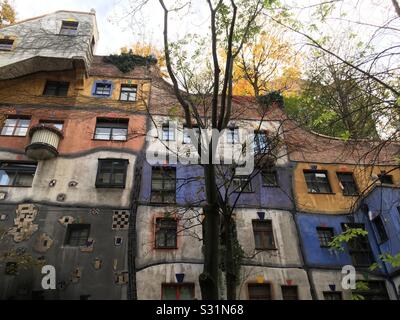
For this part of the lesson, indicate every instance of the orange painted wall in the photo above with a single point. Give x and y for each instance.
(336, 202)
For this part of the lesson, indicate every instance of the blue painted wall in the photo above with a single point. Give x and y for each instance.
(190, 188)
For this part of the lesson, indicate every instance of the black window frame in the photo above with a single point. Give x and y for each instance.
(242, 184)
(266, 229)
(380, 229)
(132, 86)
(177, 287)
(289, 295)
(170, 231)
(272, 172)
(267, 296)
(233, 136)
(8, 45)
(104, 162)
(385, 178)
(16, 170)
(314, 184)
(112, 124)
(258, 148)
(372, 293)
(359, 247)
(168, 132)
(81, 238)
(350, 188)
(61, 88)
(337, 294)
(167, 173)
(17, 125)
(69, 28)
(105, 92)
(323, 239)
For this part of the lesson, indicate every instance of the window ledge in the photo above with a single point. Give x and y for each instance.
(166, 248)
(270, 186)
(109, 187)
(326, 193)
(266, 249)
(122, 141)
(6, 135)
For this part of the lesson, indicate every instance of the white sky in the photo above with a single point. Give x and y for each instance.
(117, 30)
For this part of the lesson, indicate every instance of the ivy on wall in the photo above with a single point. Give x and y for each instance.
(127, 61)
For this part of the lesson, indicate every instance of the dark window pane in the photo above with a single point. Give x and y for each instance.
(348, 184)
(385, 178)
(259, 291)
(111, 129)
(6, 44)
(181, 291)
(17, 174)
(163, 184)
(103, 89)
(359, 247)
(317, 182)
(380, 228)
(269, 177)
(112, 173)
(376, 291)
(263, 235)
(69, 28)
(332, 295)
(77, 234)
(241, 184)
(290, 293)
(325, 236)
(166, 233)
(55, 88)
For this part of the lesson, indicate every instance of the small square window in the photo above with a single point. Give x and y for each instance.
(317, 181)
(232, 135)
(102, 89)
(16, 126)
(259, 291)
(53, 123)
(347, 183)
(385, 178)
(332, 295)
(177, 291)
(380, 228)
(111, 173)
(77, 235)
(325, 236)
(128, 93)
(290, 293)
(263, 235)
(166, 233)
(56, 88)
(69, 28)
(242, 184)
(168, 133)
(111, 129)
(6, 44)
(269, 177)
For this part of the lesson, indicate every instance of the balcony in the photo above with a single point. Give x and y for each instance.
(44, 142)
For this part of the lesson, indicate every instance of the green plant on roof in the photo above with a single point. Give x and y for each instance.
(127, 61)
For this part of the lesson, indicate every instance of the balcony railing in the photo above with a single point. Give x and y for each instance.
(44, 142)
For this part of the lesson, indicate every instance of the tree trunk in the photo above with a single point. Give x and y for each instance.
(230, 262)
(211, 226)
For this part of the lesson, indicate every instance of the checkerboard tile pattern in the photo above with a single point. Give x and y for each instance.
(120, 220)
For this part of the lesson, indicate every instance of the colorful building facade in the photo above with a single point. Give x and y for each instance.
(79, 193)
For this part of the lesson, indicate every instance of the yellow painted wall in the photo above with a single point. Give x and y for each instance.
(29, 89)
(335, 202)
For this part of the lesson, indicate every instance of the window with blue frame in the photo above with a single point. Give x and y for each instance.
(102, 89)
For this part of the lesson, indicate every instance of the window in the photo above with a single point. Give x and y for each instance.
(260, 142)
(317, 181)
(332, 295)
(348, 184)
(259, 291)
(77, 235)
(6, 44)
(168, 133)
(17, 174)
(232, 135)
(177, 291)
(290, 293)
(242, 184)
(111, 129)
(380, 228)
(111, 173)
(52, 123)
(359, 247)
(325, 236)
(128, 93)
(187, 139)
(163, 184)
(166, 232)
(102, 89)
(269, 177)
(385, 178)
(376, 291)
(56, 88)
(263, 235)
(69, 28)
(16, 126)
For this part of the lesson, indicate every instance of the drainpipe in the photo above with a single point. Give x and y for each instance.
(301, 243)
(386, 271)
